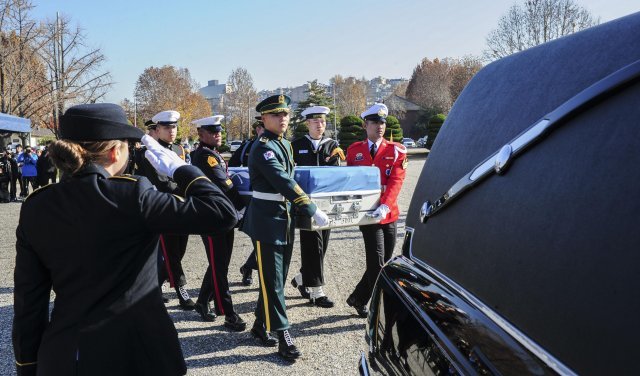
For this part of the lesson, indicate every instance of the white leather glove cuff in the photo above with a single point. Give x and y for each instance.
(320, 218)
(165, 161)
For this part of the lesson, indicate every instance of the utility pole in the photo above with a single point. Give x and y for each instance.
(335, 113)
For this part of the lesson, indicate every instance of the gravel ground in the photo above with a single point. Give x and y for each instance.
(330, 339)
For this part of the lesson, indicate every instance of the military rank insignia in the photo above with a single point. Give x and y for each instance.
(340, 153)
(269, 155)
(264, 139)
(298, 190)
(212, 161)
(228, 181)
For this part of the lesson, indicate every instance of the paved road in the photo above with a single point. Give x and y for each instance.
(330, 339)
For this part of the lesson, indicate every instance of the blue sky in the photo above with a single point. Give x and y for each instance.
(286, 43)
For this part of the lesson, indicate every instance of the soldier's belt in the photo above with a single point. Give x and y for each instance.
(268, 196)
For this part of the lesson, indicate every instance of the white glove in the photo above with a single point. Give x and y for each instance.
(162, 159)
(321, 218)
(241, 214)
(380, 213)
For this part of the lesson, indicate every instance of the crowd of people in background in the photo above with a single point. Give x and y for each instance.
(24, 168)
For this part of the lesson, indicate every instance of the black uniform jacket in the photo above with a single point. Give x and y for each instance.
(215, 168)
(240, 157)
(142, 167)
(305, 154)
(98, 252)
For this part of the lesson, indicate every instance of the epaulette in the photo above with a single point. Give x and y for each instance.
(124, 177)
(264, 139)
(400, 148)
(39, 190)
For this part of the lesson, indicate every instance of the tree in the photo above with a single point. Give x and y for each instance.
(75, 74)
(461, 71)
(130, 109)
(433, 128)
(240, 102)
(350, 94)
(350, 131)
(317, 96)
(436, 84)
(536, 22)
(171, 88)
(393, 130)
(23, 78)
(429, 85)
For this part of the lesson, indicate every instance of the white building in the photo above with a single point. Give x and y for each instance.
(214, 94)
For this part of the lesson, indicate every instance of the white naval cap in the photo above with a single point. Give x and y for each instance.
(377, 112)
(166, 117)
(211, 120)
(315, 112)
(211, 123)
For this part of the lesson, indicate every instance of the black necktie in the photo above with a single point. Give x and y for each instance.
(372, 151)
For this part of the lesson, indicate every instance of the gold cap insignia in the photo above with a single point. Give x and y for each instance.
(381, 112)
(281, 99)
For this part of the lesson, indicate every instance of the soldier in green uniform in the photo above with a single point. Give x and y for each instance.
(269, 221)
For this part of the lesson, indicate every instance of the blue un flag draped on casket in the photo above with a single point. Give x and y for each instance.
(346, 194)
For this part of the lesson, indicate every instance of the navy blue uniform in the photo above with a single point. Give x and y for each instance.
(215, 284)
(98, 253)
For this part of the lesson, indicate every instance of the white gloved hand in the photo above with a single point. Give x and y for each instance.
(321, 218)
(241, 214)
(380, 213)
(162, 159)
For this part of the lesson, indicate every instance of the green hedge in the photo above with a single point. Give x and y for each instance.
(393, 127)
(350, 131)
(433, 128)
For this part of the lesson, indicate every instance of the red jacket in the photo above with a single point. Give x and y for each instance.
(391, 159)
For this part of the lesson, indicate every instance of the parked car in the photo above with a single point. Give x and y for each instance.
(521, 250)
(234, 145)
(407, 142)
(422, 142)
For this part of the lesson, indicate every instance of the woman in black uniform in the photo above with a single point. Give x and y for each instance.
(98, 253)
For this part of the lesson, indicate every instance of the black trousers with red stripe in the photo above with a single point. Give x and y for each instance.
(172, 250)
(215, 284)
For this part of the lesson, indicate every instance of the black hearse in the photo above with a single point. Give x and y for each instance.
(522, 250)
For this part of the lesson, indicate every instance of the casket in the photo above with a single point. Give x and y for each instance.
(346, 194)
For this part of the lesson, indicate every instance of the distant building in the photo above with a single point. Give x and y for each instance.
(407, 112)
(380, 88)
(214, 94)
(297, 94)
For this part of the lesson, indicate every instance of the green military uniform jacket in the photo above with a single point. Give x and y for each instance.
(271, 173)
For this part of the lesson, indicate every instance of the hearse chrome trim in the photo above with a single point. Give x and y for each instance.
(498, 161)
(515, 333)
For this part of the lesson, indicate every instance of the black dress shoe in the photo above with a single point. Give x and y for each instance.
(286, 348)
(183, 298)
(265, 337)
(247, 275)
(205, 311)
(322, 301)
(362, 309)
(235, 322)
(301, 288)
